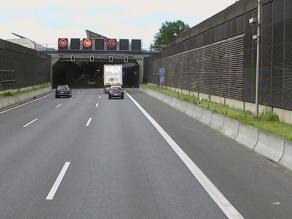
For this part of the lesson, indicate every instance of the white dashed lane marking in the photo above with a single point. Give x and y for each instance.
(28, 124)
(88, 122)
(58, 181)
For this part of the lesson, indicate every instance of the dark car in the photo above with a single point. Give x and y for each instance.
(63, 91)
(116, 91)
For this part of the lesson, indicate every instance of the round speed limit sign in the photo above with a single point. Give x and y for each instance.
(87, 43)
(111, 43)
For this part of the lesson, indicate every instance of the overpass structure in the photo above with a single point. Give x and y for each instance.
(79, 60)
(135, 60)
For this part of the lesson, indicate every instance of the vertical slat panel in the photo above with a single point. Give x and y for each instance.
(278, 59)
(219, 75)
(288, 56)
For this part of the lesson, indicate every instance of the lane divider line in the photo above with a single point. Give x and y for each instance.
(99, 97)
(58, 181)
(96, 105)
(58, 105)
(5, 111)
(28, 124)
(228, 209)
(88, 122)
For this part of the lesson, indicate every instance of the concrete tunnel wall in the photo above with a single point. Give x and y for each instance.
(90, 74)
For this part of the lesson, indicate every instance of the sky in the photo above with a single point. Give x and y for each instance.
(44, 21)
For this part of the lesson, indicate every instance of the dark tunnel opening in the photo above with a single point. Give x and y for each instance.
(90, 74)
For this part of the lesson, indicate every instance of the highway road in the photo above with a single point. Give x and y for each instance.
(90, 157)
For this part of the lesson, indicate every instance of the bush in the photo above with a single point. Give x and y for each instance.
(19, 91)
(196, 101)
(7, 94)
(269, 116)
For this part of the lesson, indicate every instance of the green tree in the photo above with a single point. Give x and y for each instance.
(167, 33)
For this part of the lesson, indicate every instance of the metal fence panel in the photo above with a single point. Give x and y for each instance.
(220, 70)
(29, 68)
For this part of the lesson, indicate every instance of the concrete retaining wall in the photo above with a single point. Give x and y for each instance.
(270, 146)
(217, 121)
(189, 110)
(287, 156)
(9, 101)
(284, 115)
(247, 135)
(267, 145)
(230, 127)
(206, 116)
(198, 111)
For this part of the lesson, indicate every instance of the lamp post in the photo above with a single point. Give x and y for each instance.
(257, 22)
(258, 56)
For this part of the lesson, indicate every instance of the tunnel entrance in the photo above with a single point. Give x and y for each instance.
(90, 74)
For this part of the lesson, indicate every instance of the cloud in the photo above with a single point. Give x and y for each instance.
(44, 21)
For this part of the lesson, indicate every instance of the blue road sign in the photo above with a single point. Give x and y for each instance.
(161, 76)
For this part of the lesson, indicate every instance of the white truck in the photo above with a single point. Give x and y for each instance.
(113, 76)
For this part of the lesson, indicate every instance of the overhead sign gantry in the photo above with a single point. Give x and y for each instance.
(99, 44)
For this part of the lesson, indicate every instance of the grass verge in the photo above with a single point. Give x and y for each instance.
(20, 91)
(267, 121)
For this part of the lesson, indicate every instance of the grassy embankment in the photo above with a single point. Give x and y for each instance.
(17, 92)
(267, 121)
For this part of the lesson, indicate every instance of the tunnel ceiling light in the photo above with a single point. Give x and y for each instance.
(73, 58)
(126, 59)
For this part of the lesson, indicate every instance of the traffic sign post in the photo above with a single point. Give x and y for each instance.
(161, 76)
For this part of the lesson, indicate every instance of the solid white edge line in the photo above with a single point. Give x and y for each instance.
(30, 123)
(89, 121)
(229, 210)
(58, 181)
(58, 105)
(96, 105)
(5, 111)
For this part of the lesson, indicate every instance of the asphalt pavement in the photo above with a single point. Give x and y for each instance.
(255, 186)
(90, 157)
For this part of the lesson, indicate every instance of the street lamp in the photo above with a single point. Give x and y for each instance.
(254, 21)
